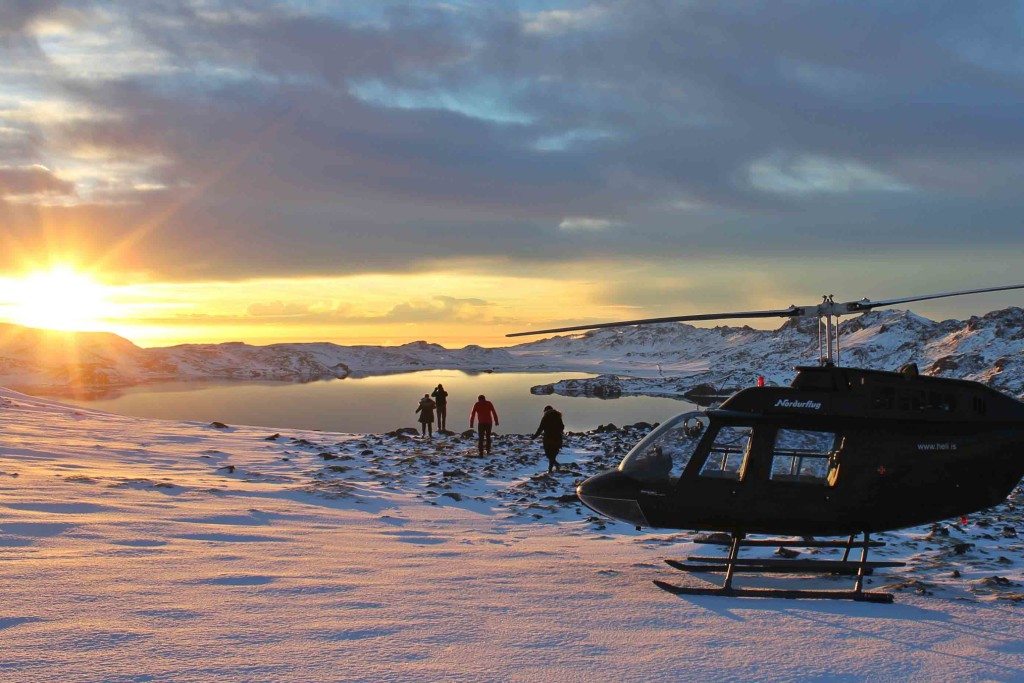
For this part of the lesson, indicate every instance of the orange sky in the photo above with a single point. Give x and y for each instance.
(456, 305)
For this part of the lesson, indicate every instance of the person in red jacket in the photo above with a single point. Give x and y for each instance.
(485, 415)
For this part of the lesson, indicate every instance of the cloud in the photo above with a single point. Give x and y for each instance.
(584, 223)
(438, 309)
(278, 309)
(555, 22)
(256, 137)
(16, 15)
(31, 182)
(810, 174)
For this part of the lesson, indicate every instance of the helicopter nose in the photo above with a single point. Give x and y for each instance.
(614, 495)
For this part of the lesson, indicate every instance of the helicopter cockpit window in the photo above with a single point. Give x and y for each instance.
(725, 460)
(664, 453)
(803, 456)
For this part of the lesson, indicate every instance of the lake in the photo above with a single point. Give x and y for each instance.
(378, 404)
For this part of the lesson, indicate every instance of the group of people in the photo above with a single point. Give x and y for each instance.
(437, 400)
(485, 417)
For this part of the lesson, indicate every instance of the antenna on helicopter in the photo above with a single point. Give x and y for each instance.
(825, 312)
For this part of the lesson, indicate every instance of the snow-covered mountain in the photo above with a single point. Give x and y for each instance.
(671, 358)
(676, 358)
(32, 358)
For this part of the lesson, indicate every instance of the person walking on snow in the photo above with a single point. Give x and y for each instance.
(552, 427)
(441, 399)
(485, 414)
(426, 411)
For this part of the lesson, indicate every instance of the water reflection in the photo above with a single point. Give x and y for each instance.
(375, 404)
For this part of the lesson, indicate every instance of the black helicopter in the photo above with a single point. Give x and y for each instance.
(840, 452)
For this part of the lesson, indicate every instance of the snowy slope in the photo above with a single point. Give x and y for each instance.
(657, 359)
(150, 550)
(674, 358)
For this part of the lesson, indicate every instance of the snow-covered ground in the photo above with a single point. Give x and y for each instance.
(147, 550)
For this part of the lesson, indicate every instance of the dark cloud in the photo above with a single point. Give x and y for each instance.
(15, 15)
(271, 140)
(32, 180)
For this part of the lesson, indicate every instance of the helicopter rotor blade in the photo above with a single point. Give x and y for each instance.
(791, 312)
(867, 304)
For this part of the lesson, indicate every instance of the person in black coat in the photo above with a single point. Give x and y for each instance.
(426, 412)
(552, 427)
(441, 400)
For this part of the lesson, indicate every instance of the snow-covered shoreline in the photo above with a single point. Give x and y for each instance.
(659, 360)
(153, 550)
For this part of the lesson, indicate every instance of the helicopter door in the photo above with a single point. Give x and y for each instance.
(804, 470)
(802, 456)
(728, 454)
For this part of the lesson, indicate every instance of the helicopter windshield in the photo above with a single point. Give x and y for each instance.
(664, 453)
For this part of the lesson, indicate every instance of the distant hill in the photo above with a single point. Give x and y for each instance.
(677, 357)
(660, 359)
(48, 360)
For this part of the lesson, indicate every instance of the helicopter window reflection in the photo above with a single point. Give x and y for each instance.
(725, 460)
(665, 453)
(803, 455)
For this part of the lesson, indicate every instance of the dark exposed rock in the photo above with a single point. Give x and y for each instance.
(997, 581)
(272, 437)
(218, 425)
(702, 391)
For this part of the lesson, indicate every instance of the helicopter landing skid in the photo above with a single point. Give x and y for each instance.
(783, 567)
(862, 596)
(732, 564)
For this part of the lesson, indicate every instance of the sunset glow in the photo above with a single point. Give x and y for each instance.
(58, 299)
(331, 191)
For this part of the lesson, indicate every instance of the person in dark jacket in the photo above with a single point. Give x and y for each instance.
(552, 427)
(426, 411)
(441, 400)
(485, 414)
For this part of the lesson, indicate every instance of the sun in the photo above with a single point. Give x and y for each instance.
(58, 299)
